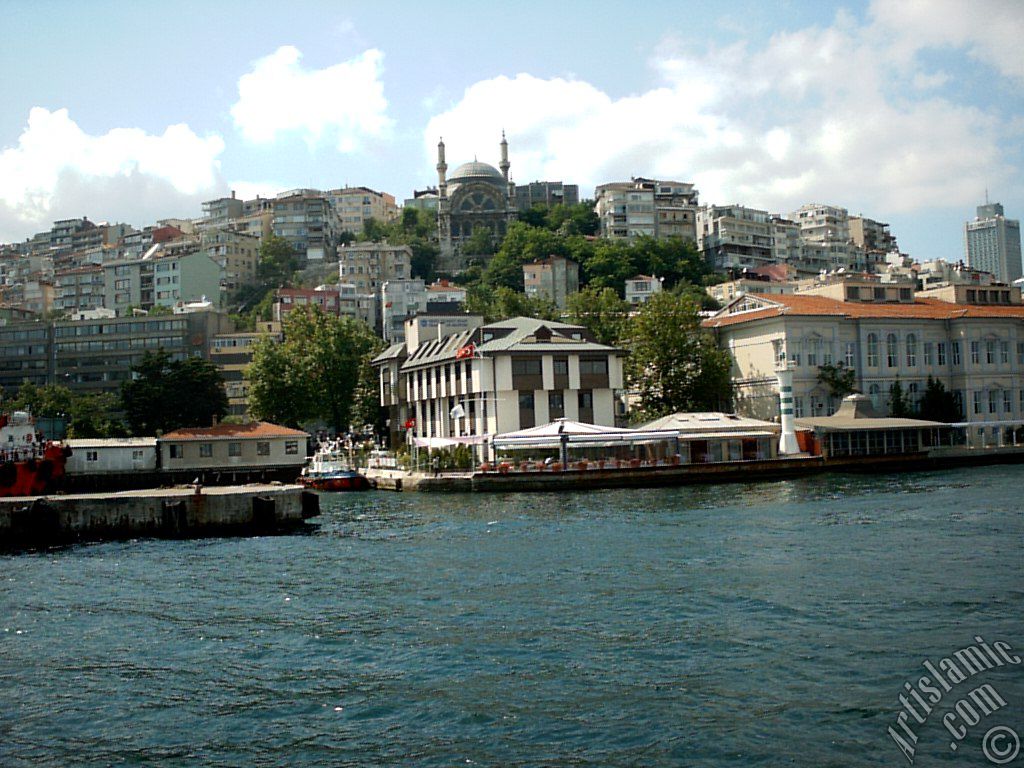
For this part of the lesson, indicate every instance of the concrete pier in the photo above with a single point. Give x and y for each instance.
(183, 512)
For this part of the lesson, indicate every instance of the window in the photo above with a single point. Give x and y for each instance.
(780, 352)
(956, 352)
(1004, 352)
(560, 366)
(813, 352)
(205, 450)
(586, 399)
(234, 449)
(137, 455)
(872, 350)
(527, 367)
(262, 448)
(891, 352)
(940, 349)
(912, 393)
(1020, 352)
(875, 393)
(905, 294)
(526, 401)
(851, 352)
(990, 352)
(175, 451)
(92, 456)
(911, 350)
(556, 405)
(798, 407)
(291, 447)
(975, 352)
(1007, 402)
(593, 367)
(929, 353)
(993, 399)
(977, 401)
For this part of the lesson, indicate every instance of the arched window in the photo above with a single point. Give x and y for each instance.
(911, 350)
(912, 394)
(891, 351)
(872, 350)
(874, 392)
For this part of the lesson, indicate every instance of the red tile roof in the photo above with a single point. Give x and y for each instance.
(920, 309)
(256, 429)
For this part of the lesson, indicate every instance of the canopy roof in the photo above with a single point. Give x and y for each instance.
(577, 433)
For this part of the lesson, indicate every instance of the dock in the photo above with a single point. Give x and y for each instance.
(28, 522)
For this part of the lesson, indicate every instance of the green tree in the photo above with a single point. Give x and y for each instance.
(502, 303)
(167, 394)
(277, 263)
(480, 243)
(86, 415)
(838, 379)
(315, 372)
(675, 364)
(899, 405)
(938, 404)
(602, 311)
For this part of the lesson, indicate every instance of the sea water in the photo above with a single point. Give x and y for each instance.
(762, 624)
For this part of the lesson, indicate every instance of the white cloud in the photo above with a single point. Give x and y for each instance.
(834, 114)
(56, 169)
(343, 103)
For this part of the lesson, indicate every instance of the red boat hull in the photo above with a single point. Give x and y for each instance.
(353, 482)
(33, 477)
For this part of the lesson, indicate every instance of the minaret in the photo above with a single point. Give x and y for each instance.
(442, 170)
(504, 164)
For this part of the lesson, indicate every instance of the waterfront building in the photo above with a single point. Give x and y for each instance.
(554, 279)
(647, 208)
(111, 456)
(504, 376)
(546, 193)
(353, 206)
(992, 243)
(886, 333)
(640, 288)
(258, 445)
(476, 197)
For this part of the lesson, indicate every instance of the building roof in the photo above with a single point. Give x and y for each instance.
(394, 352)
(476, 170)
(82, 443)
(252, 431)
(763, 306)
(711, 421)
(858, 412)
(526, 334)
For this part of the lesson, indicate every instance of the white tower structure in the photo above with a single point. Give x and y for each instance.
(787, 442)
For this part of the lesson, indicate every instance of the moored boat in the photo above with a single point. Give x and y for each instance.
(329, 470)
(29, 465)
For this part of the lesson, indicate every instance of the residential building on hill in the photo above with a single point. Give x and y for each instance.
(647, 208)
(992, 243)
(232, 353)
(554, 279)
(306, 219)
(353, 206)
(546, 193)
(640, 288)
(734, 237)
(368, 266)
(885, 333)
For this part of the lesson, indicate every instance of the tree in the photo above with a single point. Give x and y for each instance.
(87, 415)
(602, 311)
(277, 262)
(315, 372)
(899, 405)
(938, 404)
(167, 394)
(502, 303)
(838, 379)
(675, 364)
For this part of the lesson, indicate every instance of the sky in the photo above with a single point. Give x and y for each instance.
(904, 111)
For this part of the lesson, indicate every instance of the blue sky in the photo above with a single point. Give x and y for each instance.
(902, 111)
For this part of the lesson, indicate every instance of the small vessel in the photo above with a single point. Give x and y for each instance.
(329, 470)
(29, 465)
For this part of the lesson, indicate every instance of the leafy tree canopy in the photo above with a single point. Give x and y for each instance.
(87, 415)
(319, 372)
(602, 311)
(938, 404)
(899, 405)
(675, 365)
(168, 394)
(838, 379)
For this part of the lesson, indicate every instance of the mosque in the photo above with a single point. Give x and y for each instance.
(476, 196)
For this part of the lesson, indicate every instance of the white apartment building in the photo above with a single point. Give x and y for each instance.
(883, 332)
(354, 205)
(734, 236)
(647, 207)
(368, 266)
(506, 376)
(640, 288)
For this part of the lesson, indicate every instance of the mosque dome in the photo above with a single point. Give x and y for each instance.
(476, 170)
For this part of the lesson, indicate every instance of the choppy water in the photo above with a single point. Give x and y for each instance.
(769, 624)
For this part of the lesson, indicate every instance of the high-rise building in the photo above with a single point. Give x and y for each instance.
(353, 206)
(647, 207)
(992, 243)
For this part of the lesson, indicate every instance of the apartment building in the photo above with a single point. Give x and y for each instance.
(78, 288)
(232, 353)
(305, 218)
(884, 332)
(647, 208)
(353, 206)
(368, 266)
(735, 237)
(162, 278)
(553, 279)
(547, 194)
(504, 376)
(238, 255)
